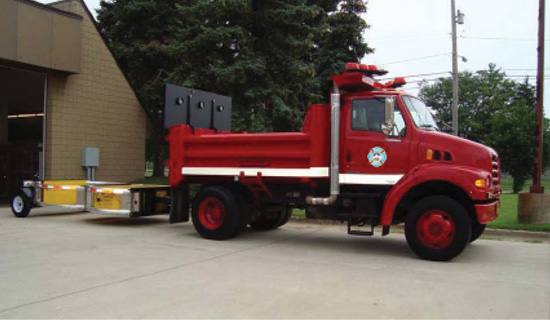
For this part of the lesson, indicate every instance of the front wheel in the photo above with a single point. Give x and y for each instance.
(20, 204)
(437, 228)
(477, 230)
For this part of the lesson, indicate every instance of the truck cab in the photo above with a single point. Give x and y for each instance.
(390, 142)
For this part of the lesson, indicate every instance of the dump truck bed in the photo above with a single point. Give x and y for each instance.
(203, 152)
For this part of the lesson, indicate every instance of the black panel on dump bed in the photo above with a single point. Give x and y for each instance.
(199, 109)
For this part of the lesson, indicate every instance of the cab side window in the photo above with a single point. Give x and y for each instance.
(399, 129)
(369, 115)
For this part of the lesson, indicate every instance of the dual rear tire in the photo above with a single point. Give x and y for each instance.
(218, 213)
(272, 220)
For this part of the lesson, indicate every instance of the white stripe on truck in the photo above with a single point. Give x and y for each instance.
(253, 172)
(316, 172)
(371, 179)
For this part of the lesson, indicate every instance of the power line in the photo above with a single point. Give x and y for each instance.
(437, 79)
(523, 76)
(523, 69)
(497, 39)
(378, 39)
(429, 77)
(446, 36)
(421, 81)
(403, 36)
(419, 58)
(418, 75)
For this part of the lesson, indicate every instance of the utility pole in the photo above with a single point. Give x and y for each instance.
(537, 172)
(454, 21)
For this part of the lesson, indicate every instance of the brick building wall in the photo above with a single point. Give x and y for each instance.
(95, 108)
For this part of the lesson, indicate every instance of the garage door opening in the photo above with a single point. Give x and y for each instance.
(22, 124)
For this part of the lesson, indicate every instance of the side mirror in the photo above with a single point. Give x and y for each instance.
(389, 123)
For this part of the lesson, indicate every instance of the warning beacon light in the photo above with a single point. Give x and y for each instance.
(358, 76)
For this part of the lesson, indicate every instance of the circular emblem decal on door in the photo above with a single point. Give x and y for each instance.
(377, 156)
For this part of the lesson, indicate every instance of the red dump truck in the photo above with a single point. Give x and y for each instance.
(373, 157)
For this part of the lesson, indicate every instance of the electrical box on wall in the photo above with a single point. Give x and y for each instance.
(90, 157)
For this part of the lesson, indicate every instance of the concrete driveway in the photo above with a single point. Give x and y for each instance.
(83, 265)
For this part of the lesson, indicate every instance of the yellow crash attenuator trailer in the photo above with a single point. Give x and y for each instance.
(95, 196)
(62, 192)
(130, 199)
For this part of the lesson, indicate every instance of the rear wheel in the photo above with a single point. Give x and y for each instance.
(437, 228)
(20, 204)
(286, 217)
(217, 214)
(477, 230)
(272, 220)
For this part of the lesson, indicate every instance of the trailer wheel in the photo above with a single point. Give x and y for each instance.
(477, 230)
(217, 214)
(269, 222)
(437, 228)
(20, 204)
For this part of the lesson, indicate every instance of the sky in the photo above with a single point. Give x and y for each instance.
(414, 37)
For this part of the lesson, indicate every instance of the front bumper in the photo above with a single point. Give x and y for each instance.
(487, 212)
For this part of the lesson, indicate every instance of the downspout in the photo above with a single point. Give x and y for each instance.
(334, 152)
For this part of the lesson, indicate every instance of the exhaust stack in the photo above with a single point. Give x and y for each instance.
(334, 153)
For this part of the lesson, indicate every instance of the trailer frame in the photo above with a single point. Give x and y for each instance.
(104, 197)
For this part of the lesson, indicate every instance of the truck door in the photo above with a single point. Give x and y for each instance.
(371, 157)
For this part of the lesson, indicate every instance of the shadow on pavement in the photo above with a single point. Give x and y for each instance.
(375, 246)
(320, 240)
(125, 222)
(37, 215)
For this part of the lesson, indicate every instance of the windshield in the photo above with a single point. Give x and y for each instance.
(420, 113)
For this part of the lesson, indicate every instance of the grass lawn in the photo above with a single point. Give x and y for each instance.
(508, 211)
(506, 185)
(508, 216)
(152, 180)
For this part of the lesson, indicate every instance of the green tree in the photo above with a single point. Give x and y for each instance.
(270, 56)
(140, 32)
(340, 39)
(253, 52)
(495, 111)
(481, 94)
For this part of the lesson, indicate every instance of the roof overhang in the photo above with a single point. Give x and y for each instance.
(40, 36)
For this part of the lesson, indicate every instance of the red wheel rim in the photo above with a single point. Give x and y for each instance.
(436, 229)
(211, 213)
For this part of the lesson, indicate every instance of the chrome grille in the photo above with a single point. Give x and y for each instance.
(496, 170)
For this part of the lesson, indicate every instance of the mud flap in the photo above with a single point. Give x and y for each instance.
(179, 204)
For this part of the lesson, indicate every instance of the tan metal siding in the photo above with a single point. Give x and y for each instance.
(96, 108)
(34, 36)
(37, 35)
(64, 42)
(8, 30)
